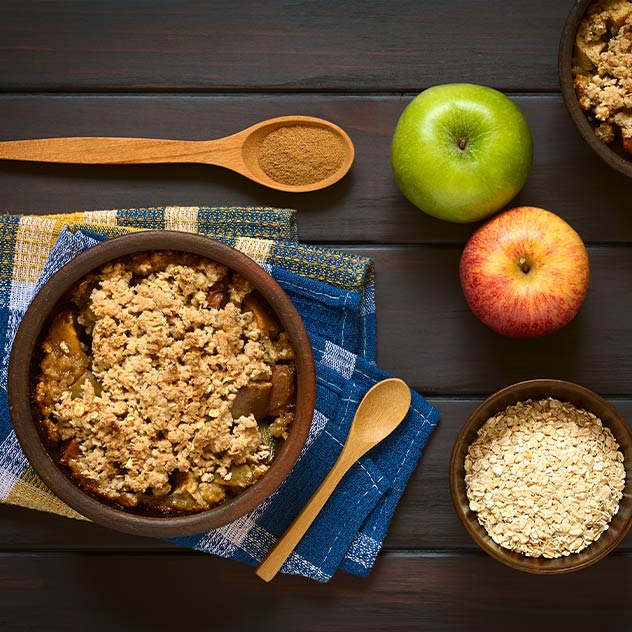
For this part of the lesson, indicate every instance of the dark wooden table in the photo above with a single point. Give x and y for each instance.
(198, 70)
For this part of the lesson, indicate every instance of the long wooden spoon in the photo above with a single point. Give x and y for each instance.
(238, 152)
(381, 410)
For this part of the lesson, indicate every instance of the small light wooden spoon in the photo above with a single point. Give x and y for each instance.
(238, 152)
(381, 410)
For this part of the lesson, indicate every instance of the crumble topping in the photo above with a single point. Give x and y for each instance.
(166, 383)
(603, 69)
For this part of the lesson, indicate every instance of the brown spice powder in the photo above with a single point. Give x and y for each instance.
(301, 154)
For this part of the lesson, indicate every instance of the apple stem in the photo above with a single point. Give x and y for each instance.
(462, 143)
(524, 264)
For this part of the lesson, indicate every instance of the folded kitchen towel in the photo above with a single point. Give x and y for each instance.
(333, 292)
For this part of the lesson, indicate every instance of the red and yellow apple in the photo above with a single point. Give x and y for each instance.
(525, 272)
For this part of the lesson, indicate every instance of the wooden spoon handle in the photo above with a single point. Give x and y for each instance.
(116, 151)
(273, 562)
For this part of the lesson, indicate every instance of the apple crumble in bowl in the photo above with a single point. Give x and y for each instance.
(170, 388)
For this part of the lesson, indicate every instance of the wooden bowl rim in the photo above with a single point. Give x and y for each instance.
(520, 391)
(26, 426)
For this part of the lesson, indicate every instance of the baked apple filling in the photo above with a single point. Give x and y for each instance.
(166, 383)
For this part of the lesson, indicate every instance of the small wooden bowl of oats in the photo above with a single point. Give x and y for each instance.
(541, 476)
(162, 384)
(595, 74)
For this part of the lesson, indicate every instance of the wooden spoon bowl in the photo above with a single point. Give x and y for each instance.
(255, 135)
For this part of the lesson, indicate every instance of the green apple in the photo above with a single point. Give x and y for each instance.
(461, 152)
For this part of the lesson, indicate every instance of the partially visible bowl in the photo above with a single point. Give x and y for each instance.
(26, 417)
(613, 153)
(540, 389)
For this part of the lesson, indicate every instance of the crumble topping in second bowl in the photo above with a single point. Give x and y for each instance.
(603, 69)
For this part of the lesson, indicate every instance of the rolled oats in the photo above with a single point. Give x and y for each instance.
(544, 477)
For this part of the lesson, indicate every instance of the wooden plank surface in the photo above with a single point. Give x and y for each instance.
(198, 70)
(366, 206)
(405, 593)
(428, 336)
(245, 46)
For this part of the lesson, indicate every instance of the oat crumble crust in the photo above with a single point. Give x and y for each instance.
(149, 415)
(603, 69)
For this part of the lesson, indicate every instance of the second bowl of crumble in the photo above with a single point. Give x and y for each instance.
(162, 384)
(595, 73)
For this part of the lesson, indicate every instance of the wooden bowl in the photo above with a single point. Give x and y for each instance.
(25, 415)
(538, 389)
(613, 153)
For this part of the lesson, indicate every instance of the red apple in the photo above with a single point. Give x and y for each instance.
(525, 272)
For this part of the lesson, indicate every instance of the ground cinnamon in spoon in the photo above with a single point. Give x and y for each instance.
(301, 154)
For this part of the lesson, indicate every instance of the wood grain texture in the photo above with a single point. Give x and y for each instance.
(365, 207)
(405, 593)
(276, 45)
(195, 70)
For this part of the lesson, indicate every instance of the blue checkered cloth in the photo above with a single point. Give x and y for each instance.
(349, 531)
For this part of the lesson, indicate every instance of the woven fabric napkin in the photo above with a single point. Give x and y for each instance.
(333, 292)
